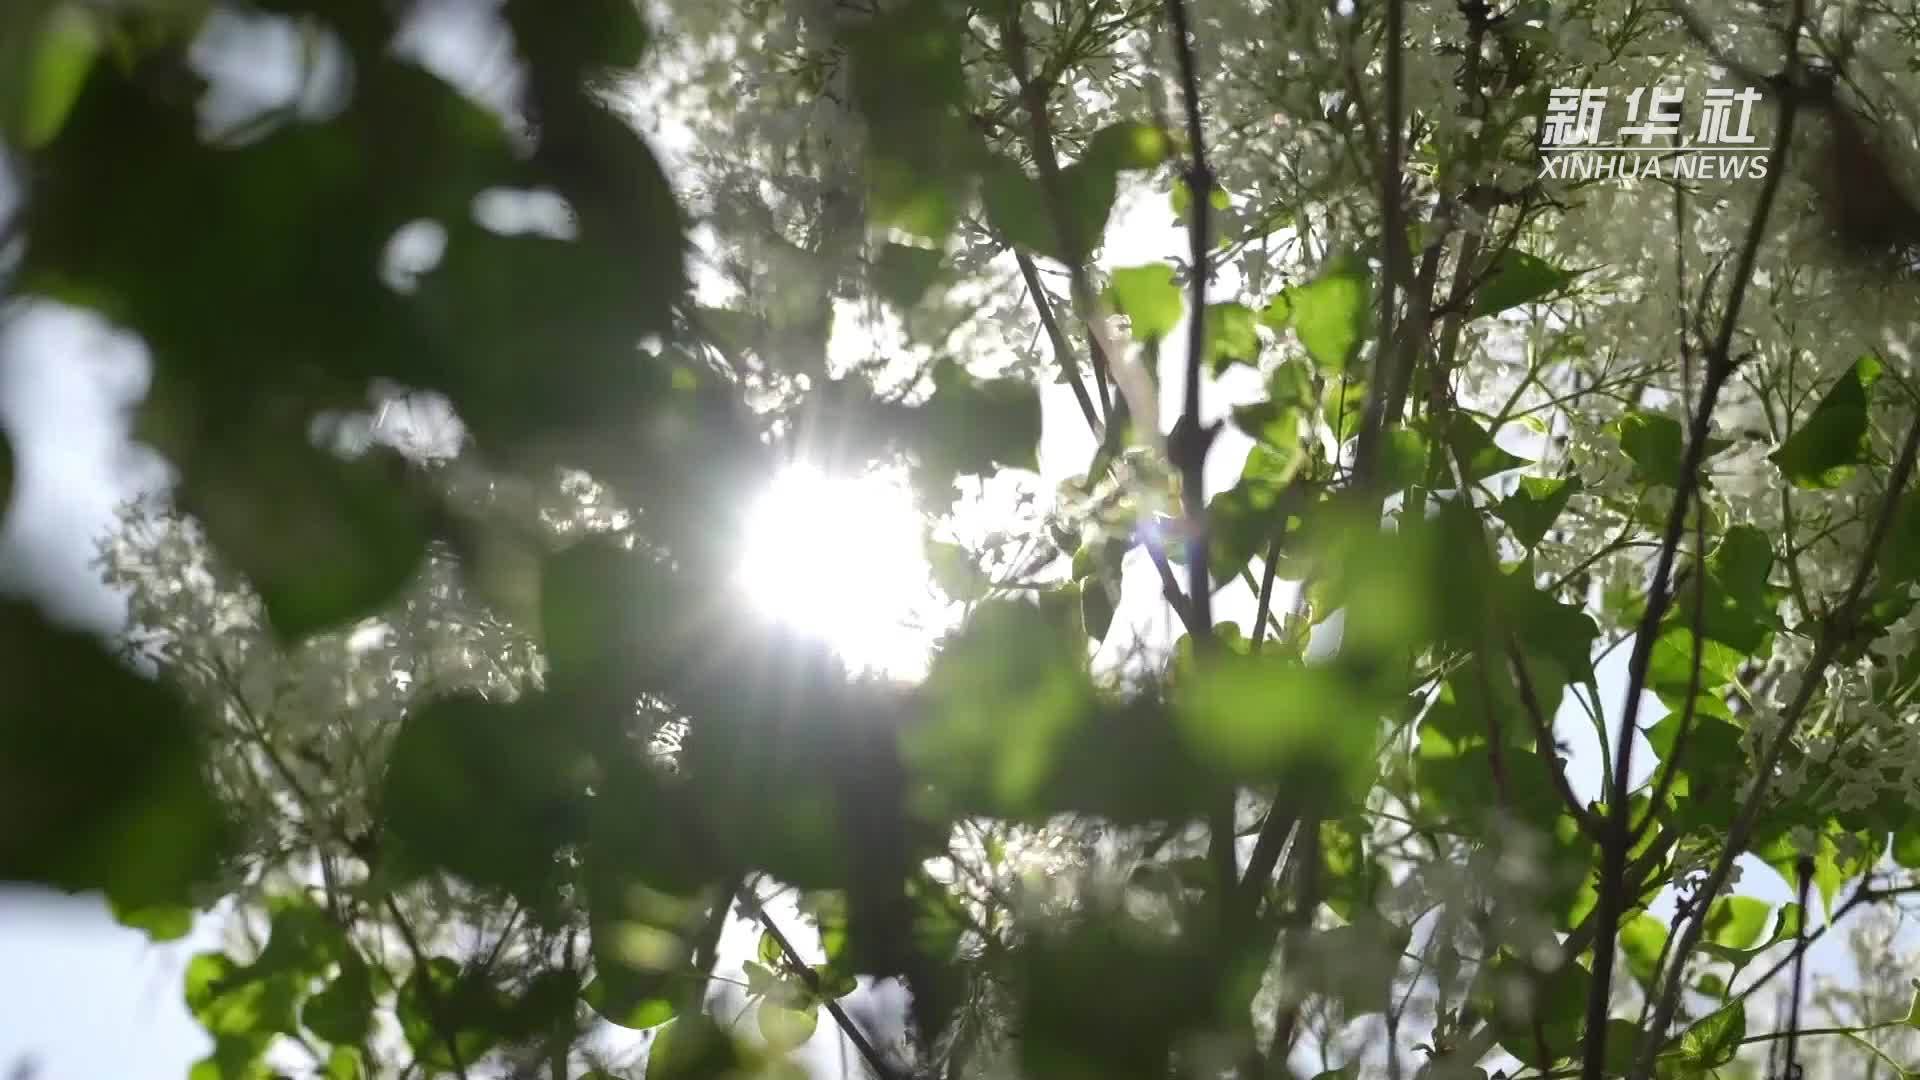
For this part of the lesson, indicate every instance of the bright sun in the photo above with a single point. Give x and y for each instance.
(841, 559)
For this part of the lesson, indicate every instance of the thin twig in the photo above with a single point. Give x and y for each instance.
(423, 968)
(1543, 744)
(1061, 349)
(1805, 866)
(1671, 766)
(868, 1052)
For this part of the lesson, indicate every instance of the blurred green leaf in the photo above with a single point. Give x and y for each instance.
(165, 922)
(448, 1015)
(1096, 608)
(787, 1029)
(1003, 694)
(1642, 940)
(1129, 145)
(69, 41)
(342, 1012)
(904, 275)
(341, 547)
(487, 791)
(106, 767)
(1266, 717)
(692, 1046)
(1403, 460)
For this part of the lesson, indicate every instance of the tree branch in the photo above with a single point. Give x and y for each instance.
(1619, 840)
(1838, 630)
(1393, 245)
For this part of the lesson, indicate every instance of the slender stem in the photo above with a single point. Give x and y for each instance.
(1061, 349)
(1265, 603)
(1805, 867)
(868, 1052)
(423, 970)
(1543, 744)
(1671, 767)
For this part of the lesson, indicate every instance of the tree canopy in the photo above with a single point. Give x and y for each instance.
(468, 722)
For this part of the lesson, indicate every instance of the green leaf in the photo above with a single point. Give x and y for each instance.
(1479, 456)
(1534, 505)
(62, 56)
(1403, 460)
(1268, 717)
(1823, 450)
(1713, 1041)
(1018, 206)
(1147, 296)
(787, 1029)
(487, 791)
(1096, 608)
(234, 1057)
(1913, 1010)
(904, 275)
(343, 1063)
(632, 1000)
(770, 952)
(1230, 336)
(691, 1048)
(1328, 314)
(1906, 847)
(440, 1004)
(163, 922)
(834, 984)
(1641, 940)
(1739, 604)
(109, 767)
(1246, 517)
(230, 1000)
(1657, 446)
(342, 1012)
(1736, 922)
(1129, 145)
(1518, 278)
(1538, 1015)
(1002, 696)
(344, 545)
(970, 426)
(955, 572)
(1181, 198)
(911, 89)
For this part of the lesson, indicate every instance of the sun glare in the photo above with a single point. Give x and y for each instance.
(841, 559)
